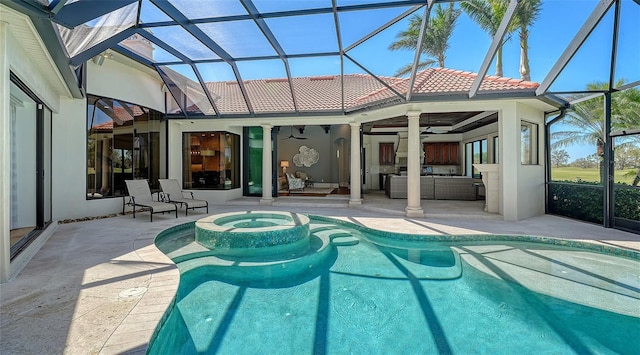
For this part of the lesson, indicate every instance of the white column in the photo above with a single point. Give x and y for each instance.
(267, 163)
(356, 177)
(509, 130)
(491, 180)
(5, 157)
(413, 166)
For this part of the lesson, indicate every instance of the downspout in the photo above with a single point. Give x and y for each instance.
(547, 148)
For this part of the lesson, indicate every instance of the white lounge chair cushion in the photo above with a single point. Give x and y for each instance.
(172, 188)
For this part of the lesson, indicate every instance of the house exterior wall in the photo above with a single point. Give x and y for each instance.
(522, 185)
(114, 80)
(14, 58)
(5, 155)
(130, 82)
(531, 178)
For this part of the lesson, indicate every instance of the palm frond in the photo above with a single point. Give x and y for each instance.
(421, 65)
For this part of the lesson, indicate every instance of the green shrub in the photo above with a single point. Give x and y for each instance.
(584, 201)
(627, 203)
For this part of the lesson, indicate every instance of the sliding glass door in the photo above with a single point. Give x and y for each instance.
(30, 172)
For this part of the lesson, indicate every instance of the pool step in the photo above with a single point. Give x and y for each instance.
(343, 239)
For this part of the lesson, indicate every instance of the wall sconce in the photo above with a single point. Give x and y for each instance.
(99, 59)
(284, 164)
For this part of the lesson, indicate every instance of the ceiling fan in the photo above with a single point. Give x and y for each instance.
(436, 130)
(291, 134)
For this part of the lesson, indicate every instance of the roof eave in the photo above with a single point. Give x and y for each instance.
(39, 17)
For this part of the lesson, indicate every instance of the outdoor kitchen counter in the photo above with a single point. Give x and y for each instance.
(435, 187)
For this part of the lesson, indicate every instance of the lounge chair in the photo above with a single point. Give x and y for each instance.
(173, 193)
(294, 182)
(140, 196)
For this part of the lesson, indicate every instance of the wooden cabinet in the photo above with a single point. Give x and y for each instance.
(205, 152)
(386, 154)
(453, 158)
(441, 153)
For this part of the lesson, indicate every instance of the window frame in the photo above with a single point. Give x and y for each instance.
(151, 149)
(228, 177)
(529, 153)
(470, 153)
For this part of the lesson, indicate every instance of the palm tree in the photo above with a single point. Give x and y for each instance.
(435, 41)
(627, 115)
(526, 14)
(587, 118)
(626, 111)
(488, 14)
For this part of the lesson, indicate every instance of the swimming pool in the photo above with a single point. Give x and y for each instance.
(360, 291)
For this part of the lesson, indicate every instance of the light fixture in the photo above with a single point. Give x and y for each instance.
(208, 153)
(99, 59)
(284, 164)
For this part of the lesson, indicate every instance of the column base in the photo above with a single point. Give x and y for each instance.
(355, 203)
(414, 212)
(266, 201)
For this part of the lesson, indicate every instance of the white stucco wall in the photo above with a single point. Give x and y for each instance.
(531, 178)
(16, 32)
(113, 80)
(130, 82)
(522, 185)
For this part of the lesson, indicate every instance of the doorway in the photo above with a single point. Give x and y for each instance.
(30, 166)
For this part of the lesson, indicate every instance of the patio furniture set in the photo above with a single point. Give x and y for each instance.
(168, 199)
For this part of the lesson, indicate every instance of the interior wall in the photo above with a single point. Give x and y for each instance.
(316, 139)
(375, 169)
(326, 169)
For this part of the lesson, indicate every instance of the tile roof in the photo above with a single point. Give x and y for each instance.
(121, 114)
(323, 93)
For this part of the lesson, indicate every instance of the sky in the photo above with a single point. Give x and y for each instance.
(558, 23)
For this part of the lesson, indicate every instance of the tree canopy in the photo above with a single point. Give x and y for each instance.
(435, 40)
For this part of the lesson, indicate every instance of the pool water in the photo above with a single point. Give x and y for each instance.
(252, 220)
(379, 295)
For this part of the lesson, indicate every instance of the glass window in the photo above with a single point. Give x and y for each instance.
(496, 150)
(23, 137)
(626, 158)
(476, 152)
(210, 160)
(253, 160)
(576, 140)
(123, 143)
(528, 143)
